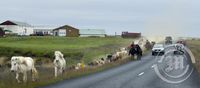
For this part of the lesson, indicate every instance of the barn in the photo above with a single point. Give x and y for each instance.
(130, 35)
(18, 28)
(92, 33)
(67, 31)
(2, 33)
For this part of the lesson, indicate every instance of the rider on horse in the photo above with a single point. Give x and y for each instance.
(135, 50)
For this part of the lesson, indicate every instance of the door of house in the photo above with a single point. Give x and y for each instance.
(56, 33)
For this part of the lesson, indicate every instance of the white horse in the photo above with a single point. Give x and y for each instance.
(124, 51)
(22, 65)
(59, 63)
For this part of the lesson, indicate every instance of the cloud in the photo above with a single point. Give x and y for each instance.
(172, 22)
(160, 16)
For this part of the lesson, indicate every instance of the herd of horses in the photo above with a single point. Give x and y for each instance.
(20, 64)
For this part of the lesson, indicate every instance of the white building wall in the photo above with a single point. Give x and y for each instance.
(29, 30)
(12, 28)
(62, 32)
(19, 30)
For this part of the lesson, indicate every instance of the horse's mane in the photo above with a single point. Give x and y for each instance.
(60, 54)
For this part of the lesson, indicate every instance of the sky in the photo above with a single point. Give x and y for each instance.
(150, 17)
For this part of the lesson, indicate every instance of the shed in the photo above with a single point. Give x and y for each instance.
(67, 31)
(130, 35)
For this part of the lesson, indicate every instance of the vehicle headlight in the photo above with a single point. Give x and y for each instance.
(162, 49)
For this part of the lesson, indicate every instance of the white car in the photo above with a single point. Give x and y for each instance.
(158, 49)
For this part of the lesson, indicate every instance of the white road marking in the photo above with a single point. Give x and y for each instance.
(141, 74)
(152, 66)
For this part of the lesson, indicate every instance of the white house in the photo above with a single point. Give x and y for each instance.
(92, 33)
(15, 27)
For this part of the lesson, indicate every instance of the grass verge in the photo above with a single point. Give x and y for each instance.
(49, 78)
(194, 46)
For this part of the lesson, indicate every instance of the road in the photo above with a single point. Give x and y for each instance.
(137, 74)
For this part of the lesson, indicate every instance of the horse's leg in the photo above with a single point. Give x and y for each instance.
(61, 70)
(25, 77)
(17, 77)
(34, 74)
(139, 57)
(56, 71)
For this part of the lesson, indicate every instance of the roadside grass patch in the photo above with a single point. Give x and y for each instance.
(194, 46)
(46, 75)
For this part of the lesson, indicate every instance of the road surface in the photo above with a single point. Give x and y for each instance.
(137, 74)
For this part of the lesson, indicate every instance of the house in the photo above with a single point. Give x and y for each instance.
(2, 33)
(130, 35)
(67, 31)
(18, 28)
(92, 33)
(42, 30)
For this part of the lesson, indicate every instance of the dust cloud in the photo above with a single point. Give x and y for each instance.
(170, 22)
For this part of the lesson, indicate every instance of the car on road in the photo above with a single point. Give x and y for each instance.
(181, 42)
(158, 49)
(168, 40)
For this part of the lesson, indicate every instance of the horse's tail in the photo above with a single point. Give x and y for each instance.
(34, 73)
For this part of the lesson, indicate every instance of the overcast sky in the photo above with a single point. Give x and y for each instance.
(150, 17)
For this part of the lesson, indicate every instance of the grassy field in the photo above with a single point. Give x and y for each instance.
(194, 45)
(42, 49)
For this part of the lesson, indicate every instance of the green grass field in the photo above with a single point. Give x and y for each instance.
(74, 49)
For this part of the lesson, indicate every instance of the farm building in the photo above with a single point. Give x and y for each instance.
(92, 33)
(42, 30)
(130, 35)
(67, 31)
(2, 33)
(18, 28)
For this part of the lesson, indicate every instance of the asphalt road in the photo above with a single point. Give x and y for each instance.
(139, 74)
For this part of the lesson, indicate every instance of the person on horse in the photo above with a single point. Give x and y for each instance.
(135, 50)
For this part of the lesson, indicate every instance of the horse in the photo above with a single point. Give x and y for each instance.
(22, 65)
(109, 57)
(136, 50)
(59, 63)
(102, 61)
(124, 51)
(144, 43)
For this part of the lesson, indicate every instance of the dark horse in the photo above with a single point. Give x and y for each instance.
(136, 50)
